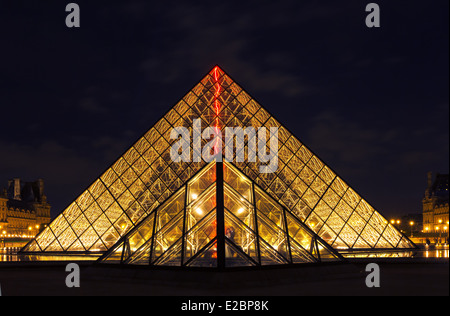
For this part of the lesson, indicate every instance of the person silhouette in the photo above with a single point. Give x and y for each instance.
(230, 233)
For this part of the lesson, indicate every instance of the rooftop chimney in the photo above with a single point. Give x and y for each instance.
(17, 189)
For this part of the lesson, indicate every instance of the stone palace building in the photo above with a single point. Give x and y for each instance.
(24, 210)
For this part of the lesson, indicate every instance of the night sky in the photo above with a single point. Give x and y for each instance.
(372, 103)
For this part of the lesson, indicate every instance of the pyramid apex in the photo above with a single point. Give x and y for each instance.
(216, 72)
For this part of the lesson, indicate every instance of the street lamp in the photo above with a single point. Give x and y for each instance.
(411, 223)
(445, 231)
(438, 230)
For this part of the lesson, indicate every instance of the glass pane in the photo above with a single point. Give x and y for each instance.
(235, 258)
(167, 236)
(140, 257)
(272, 235)
(240, 235)
(325, 253)
(364, 210)
(66, 238)
(201, 182)
(102, 224)
(361, 244)
(237, 181)
(142, 234)
(327, 234)
(269, 208)
(208, 258)
(172, 257)
(344, 210)
(301, 210)
(200, 207)
(269, 256)
(170, 209)
(322, 210)
(115, 255)
(239, 207)
(79, 226)
(335, 222)
(319, 186)
(348, 235)
(59, 225)
(298, 233)
(310, 198)
(331, 198)
(356, 222)
(339, 186)
(110, 237)
(370, 235)
(300, 255)
(378, 222)
(200, 235)
(391, 235)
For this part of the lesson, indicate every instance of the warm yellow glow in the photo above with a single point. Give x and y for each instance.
(411, 223)
(440, 221)
(37, 226)
(29, 228)
(343, 217)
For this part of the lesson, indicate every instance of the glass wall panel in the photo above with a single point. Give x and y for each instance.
(270, 256)
(66, 238)
(272, 235)
(142, 234)
(200, 235)
(268, 207)
(235, 258)
(239, 206)
(207, 258)
(237, 181)
(298, 233)
(241, 236)
(201, 182)
(172, 256)
(167, 236)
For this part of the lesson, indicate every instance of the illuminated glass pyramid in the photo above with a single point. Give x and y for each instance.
(185, 229)
(146, 178)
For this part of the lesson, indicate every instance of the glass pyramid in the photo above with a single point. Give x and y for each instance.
(145, 179)
(184, 230)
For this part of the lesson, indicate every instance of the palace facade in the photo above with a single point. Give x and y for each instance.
(24, 210)
(435, 205)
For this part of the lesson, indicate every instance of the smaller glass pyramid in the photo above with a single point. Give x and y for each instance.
(183, 231)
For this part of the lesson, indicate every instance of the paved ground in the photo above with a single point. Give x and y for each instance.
(431, 278)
